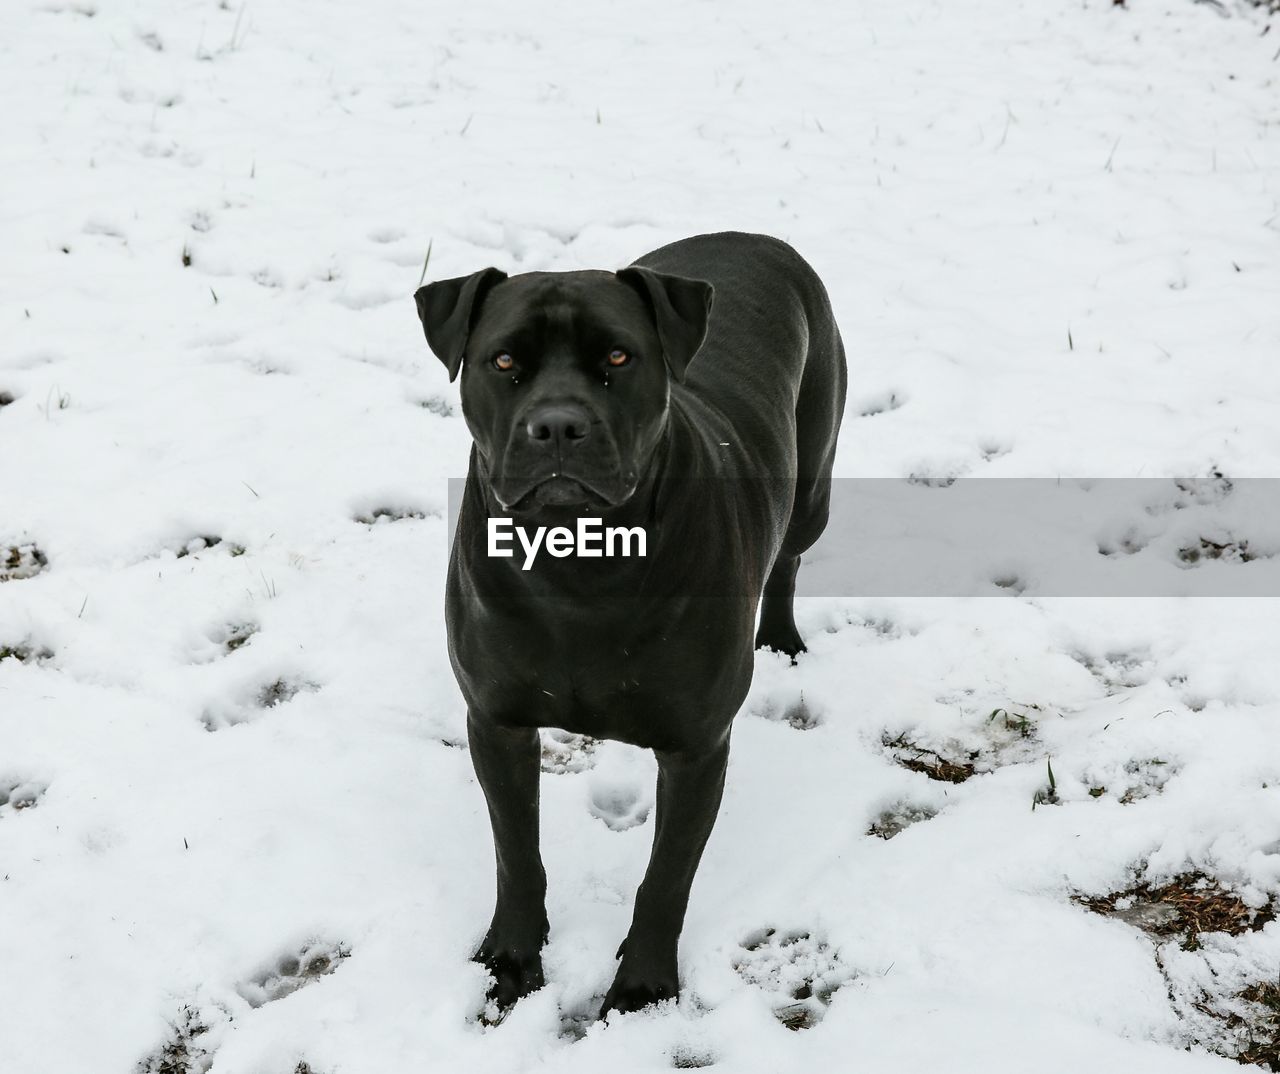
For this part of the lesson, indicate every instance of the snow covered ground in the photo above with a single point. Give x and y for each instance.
(238, 826)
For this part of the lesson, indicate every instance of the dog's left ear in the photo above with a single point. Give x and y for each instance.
(446, 309)
(681, 308)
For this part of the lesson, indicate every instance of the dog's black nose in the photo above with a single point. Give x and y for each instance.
(558, 423)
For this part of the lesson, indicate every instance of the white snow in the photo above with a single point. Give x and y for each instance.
(1050, 233)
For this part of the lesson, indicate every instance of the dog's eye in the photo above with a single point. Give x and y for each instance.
(618, 356)
(503, 361)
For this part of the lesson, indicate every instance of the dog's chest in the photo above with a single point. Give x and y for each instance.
(650, 681)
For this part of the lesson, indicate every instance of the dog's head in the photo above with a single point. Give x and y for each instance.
(565, 375)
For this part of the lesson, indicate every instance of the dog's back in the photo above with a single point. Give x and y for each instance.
(767, 389)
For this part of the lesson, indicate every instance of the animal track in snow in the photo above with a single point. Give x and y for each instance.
(183, 1052)
(21, 561)
(881, 626)
(440, 407)
(932, 480)
(202, 542)
(564, 752)
(883, 403)
(222, 640)
(1136, 779)
(1229, 550)
(619, 805)
(898, 818)
(1009, 581)
(799, 970)
(237, 636)
(1127, 543)
(1202, 491)
(992, 448)
(292, 971)
(269, 696)
(379, 515)
(25, 652)
(1117, 669)
(687, 1057)
(793, 711)
(20, 794)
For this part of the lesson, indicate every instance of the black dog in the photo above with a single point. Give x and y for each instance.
(583, 397)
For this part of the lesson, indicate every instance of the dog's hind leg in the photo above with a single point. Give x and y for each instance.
(777, 630)
(507, 763)
(819, 409)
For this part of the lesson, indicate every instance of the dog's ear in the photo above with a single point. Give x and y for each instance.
(447, 310)
(681, 308)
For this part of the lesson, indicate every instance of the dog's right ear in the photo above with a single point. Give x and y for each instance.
(447, 308)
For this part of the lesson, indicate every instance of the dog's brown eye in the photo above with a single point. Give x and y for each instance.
(618, 356)
(503, 361)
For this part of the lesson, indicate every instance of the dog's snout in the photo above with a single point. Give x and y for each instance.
(556, 424)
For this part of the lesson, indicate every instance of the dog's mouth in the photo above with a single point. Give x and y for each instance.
(561, 491)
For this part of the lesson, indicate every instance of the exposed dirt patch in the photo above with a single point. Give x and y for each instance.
(1260, 1025)
(930, 762)
(1188, 906)
(18, 561)
(1241, 1022)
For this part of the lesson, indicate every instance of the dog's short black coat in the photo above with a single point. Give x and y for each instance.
(697, 393)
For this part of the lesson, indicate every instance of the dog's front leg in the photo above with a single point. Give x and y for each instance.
(690, 784)
(507, 763)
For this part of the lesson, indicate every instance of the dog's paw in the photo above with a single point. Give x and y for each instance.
(629, 993)
(515, 975)
(789, 643)
(641, 983)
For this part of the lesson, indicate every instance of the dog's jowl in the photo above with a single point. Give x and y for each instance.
(694, 396)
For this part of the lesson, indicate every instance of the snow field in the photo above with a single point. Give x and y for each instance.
(1049, 232)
